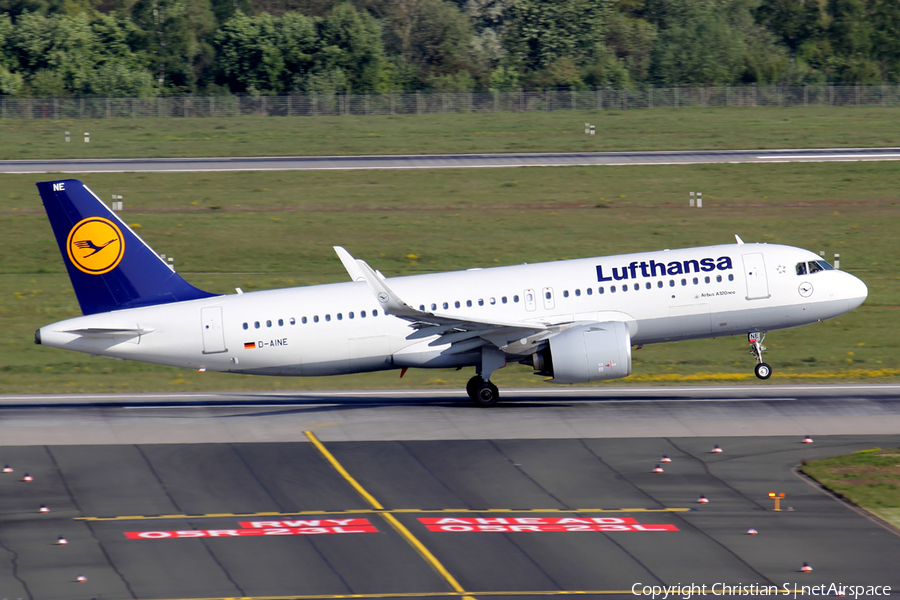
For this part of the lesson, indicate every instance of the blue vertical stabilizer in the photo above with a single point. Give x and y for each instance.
(109, 265)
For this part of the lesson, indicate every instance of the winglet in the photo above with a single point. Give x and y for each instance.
(349, 263)
(738, 239)
(389, 301)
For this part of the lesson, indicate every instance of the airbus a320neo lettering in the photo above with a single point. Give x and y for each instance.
(573, 321)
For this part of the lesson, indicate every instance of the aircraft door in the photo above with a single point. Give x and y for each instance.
(529, 300)
(755, 274)
(213, 332)
(549, 303)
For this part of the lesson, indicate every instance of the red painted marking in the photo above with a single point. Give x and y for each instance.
(219, 533)
(305, 523)
(540, 524)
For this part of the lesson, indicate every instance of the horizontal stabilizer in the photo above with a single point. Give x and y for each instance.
(109, 332)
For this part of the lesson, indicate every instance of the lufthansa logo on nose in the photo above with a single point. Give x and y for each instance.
(95, 245)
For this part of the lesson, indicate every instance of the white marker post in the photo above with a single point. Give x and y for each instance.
(587, 128)
(68, 139)
(699, 199)
(692, 202)
(837, 261)
(87, 137)
(592, 130)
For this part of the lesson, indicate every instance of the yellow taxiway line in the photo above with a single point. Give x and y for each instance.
(372, 511)
(387, 516)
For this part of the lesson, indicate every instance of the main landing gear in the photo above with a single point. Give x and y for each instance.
(480, 389)
(483, 393)
(762, 370)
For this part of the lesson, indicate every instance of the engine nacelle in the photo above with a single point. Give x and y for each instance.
(593, 352)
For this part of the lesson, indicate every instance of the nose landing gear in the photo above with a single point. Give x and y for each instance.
(763, 370)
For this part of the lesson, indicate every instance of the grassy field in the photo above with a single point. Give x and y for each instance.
(267, 230)
(563, 131)
(870, 479)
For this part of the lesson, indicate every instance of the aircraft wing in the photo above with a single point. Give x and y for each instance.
(463, 334)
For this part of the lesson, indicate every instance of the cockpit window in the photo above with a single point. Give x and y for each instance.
(813, 266)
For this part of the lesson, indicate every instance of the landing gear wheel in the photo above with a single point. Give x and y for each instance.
(472, 386)
(486, 394)
(763, 371)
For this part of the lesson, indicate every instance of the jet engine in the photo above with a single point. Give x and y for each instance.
(592, 352)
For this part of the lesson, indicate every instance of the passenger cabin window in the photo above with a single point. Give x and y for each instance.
(281, 322)
(245, 326)
(293, 321)
(565, 294)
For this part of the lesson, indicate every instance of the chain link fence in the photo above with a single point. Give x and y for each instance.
(417, 103)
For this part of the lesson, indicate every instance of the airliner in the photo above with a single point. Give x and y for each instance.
(572, 321)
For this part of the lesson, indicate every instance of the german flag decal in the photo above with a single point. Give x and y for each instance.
(248, 345)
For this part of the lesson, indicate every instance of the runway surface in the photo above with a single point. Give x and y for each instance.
(443, 161)
(548, 412)
(418, 494)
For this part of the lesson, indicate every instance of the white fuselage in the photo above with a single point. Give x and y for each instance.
(340, 328)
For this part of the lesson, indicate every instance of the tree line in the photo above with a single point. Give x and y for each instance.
(151, 47)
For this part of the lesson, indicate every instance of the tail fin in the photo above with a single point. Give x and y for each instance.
(109, 265)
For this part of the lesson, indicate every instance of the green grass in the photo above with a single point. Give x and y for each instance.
(870, 479)
(268, 230)
(562, 131)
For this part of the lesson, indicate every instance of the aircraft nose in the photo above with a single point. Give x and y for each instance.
(857, 291)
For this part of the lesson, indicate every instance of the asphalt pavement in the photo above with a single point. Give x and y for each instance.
(443, 161)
